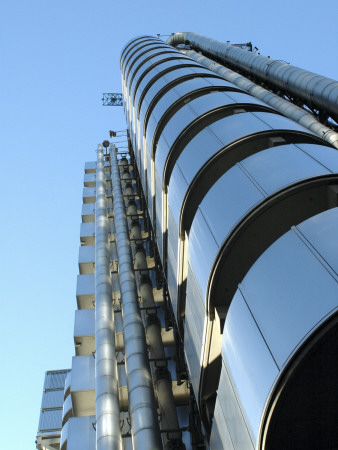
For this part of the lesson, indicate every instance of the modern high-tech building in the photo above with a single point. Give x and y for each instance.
(207, 294)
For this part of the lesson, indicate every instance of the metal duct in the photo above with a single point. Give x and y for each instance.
(142, 405)
(285, 107)
(315, 90)
(161, 374)
(108, 434)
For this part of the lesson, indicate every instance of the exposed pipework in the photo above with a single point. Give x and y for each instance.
(161, 374)
(314, 90)
(108, 434)
(285, 107)
(142, 406)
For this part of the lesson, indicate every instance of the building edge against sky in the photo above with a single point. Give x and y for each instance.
(213, 237)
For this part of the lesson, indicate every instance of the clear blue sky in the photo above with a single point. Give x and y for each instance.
(57, 58)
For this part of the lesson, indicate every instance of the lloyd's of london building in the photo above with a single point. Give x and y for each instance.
(207, 294)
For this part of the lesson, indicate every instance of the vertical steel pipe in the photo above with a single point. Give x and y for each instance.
(142, 406)
(108, 436)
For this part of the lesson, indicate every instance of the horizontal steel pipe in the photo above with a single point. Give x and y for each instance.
(315, 90)
(288, 109)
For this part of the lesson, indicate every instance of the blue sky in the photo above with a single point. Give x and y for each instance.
(57, 58)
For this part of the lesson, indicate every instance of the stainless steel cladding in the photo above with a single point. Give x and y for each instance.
(142, 407)
(243, 203)
(108, 433)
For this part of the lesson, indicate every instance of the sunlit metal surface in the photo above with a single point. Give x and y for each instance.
(141, 395)
(315, 90)
(300, 115)
(106, 388)
(243, 202)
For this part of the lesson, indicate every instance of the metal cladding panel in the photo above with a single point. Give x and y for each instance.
(146, 72)
(155, 88)
(227, 401)
(227, 130)
(321, 233)
(140, 67)
(89, 179)
(85, 285)
(88, 211)
(50, 419)
(87, 229)
(248, 362)
(229, 199)
(202, 248)
(159, 231)
(206, 102)
(127, 49)
(81, 433)
(166, 79)
(195, 302)
(54, 380)
(67, 406)
(277, 167)
(90, 166)
(248, 183)
(172, 275)
(191, 111)
(192, 351)
(140, 52)
(220, 438)
(149, 182)
(149, 81)
(83, 373)
(172, 233)
(135, 53)
(177, 185)
(325, 155)
(140, 62)
(87, 254)
(287, 321)
(84, 324)
(153, 62)
(52, 398)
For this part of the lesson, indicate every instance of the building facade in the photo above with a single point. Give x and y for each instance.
(207, 293)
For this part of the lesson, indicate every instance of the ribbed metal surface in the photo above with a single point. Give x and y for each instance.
(52, 399)
(54, 380)
(50, 420)
(315, 90)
